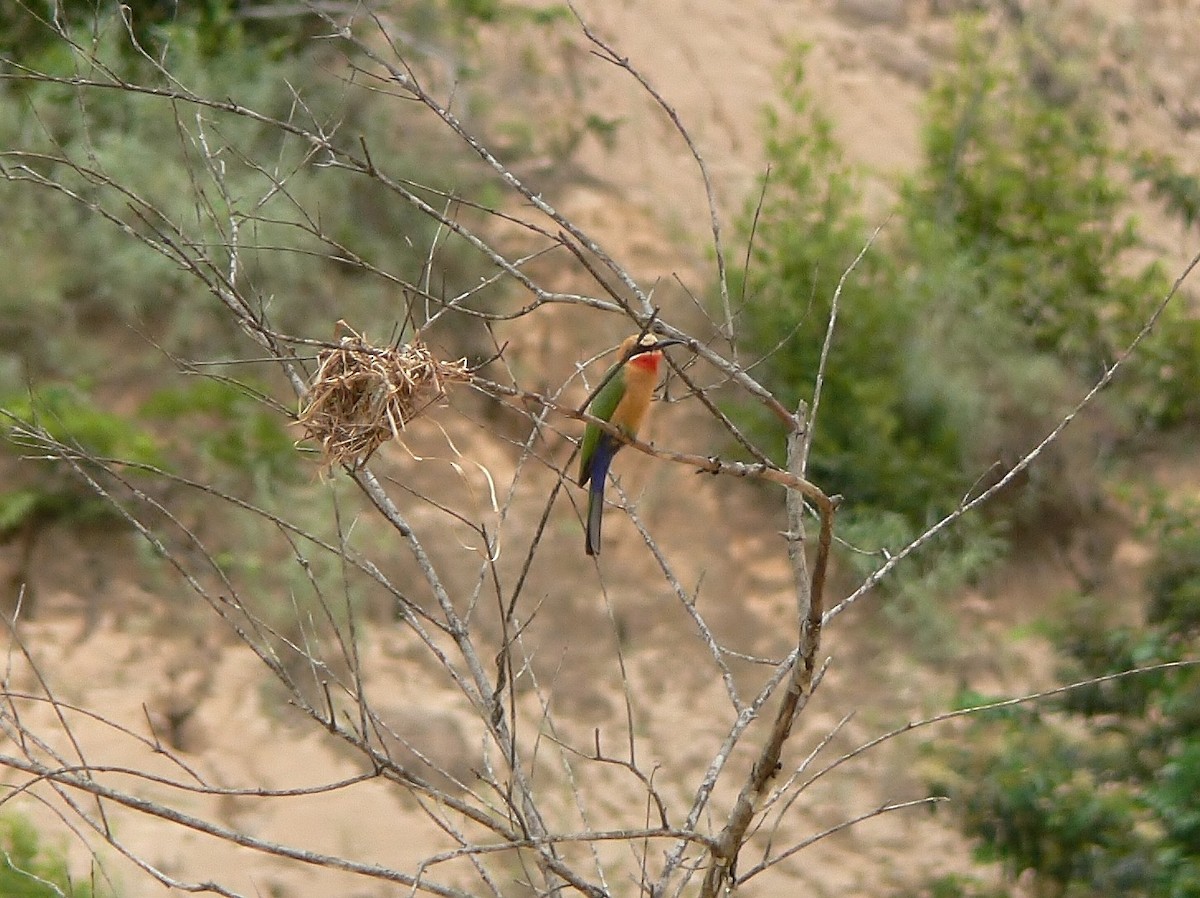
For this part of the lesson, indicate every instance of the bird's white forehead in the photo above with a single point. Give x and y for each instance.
(647, 340)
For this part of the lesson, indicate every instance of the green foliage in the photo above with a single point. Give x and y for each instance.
(1034, 805)
(436, 20)
(302, 226)
(482, 10)
(28, 869)
(28, 26)
(224, 426)
(915, 606)
(899, 409)
(957, 886)
(16, 507)
(1000, 286)
(807, 231)
(1022, 193)
(1178, 190)
(1174, 581)
(464, 13)
(69, 416)
(1096, 793)
(87, 299)
(217, 431)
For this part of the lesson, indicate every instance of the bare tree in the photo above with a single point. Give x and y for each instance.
(527, 811)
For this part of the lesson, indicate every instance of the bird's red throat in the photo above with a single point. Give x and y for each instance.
(647, 361)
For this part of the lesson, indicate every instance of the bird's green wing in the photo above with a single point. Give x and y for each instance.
(602, 407)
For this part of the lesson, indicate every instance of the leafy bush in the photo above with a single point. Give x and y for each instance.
(1023, 192)
(300, 222)
(68, 415)
(302, 225)
(219, 24)
(806, 233)
(220, 427)
(916, 606)
(1178, 190)
(1000, 286)
(30, 870)
(1174, 581)
(1095, 794)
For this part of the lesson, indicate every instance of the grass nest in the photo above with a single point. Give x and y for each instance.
(361, 395)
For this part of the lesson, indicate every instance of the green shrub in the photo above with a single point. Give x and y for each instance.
(1000, 287)
(218, 427)
(69, 415)
(1025, 192)
(27, 26)
(1174, 580)
(217, 432)
(915, 606)
(28, 869)
(1178, 190)
(70, 271)
(1022, 191)
(869, 444)
(1095, 794)
(54, 493)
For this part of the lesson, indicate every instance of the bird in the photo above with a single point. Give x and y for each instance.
(623, 401)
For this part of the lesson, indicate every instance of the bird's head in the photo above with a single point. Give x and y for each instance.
(646, 351)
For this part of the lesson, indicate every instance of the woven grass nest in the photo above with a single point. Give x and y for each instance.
(361, 395)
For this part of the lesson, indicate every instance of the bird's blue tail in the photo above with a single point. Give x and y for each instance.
(601, 460)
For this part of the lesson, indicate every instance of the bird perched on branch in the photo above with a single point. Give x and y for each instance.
(623, 401)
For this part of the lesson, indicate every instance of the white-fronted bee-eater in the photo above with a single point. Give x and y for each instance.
(623, 401)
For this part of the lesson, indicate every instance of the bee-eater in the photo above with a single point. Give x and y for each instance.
(623, 401)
